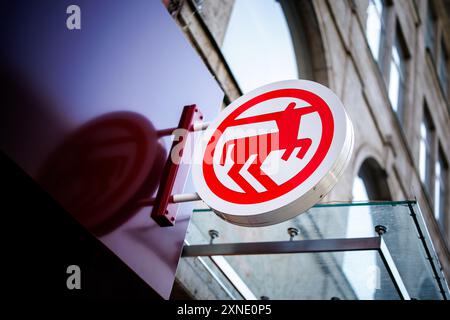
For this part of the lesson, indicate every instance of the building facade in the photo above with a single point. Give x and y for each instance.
(387, 60)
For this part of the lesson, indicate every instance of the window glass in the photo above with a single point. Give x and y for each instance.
(437, 189)
(423, 147)
(375, 27)
(430, 37)
(425, 151)
(440, 188)
(397, 78)
(443, 70)
(359, 191)
(258, 45)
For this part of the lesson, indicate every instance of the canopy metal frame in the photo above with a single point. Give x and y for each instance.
(300, 246)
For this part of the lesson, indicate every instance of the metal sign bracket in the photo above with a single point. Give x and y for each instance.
(165, 204)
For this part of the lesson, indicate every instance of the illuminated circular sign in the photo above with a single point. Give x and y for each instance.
(273, 153)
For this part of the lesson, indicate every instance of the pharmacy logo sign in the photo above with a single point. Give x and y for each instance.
(273, 153)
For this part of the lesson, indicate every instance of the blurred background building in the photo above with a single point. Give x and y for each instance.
(388, 61)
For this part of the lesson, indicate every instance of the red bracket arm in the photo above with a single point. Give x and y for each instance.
(175, 174)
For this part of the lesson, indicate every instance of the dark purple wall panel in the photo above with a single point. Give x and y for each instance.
(81, 108)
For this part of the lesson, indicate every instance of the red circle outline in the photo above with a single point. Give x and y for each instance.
(232, 196)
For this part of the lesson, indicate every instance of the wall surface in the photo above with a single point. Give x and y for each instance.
(347, 66)
(81, 110)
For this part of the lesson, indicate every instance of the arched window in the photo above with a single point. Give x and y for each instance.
(258, 45)
(265, 42)
(369, 184)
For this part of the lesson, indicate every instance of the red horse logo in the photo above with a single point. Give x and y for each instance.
(288, 124)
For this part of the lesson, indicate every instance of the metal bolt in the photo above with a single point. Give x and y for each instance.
(213, 234)
(335, 298)
(292, 232)
(265, 298)
(380, 229)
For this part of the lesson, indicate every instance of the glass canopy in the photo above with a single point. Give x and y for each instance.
(337, 254)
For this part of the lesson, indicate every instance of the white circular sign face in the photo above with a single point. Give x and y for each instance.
(273, 153)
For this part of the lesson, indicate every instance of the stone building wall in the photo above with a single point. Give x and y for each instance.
(337, 39)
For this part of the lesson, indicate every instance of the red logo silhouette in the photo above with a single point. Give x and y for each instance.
(288, 122)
